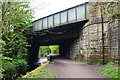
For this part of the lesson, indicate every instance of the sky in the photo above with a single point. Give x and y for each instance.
(44, 8)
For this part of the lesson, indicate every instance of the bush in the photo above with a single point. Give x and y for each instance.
(13, 67)
(10, 70)
(16, 19)
(110, 70)
(21, 66)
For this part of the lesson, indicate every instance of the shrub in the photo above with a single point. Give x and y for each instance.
(13, 67)
(110, 70)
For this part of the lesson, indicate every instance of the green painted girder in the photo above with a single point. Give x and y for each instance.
(71, 15)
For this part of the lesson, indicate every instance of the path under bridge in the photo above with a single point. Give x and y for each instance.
(62, 28)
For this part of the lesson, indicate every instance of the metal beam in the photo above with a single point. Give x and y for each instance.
(71, 15)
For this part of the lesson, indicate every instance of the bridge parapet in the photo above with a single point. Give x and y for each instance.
(71, 15)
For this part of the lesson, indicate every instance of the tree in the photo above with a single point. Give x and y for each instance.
(44, 50)
(16, 19)
(54, 49)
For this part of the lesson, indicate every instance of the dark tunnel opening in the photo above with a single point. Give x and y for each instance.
(67, 41)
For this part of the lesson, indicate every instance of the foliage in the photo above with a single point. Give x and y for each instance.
(54, 49)
(111, 69)
(17, 66)
(16, 19)
(49, 49)
(1, 70)
(111, 9)
(44, 50)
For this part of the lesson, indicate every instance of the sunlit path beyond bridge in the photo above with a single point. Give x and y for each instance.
(66, 68)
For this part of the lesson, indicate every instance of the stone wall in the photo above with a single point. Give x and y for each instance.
(91, 37)
(74, 48)
(89, 46)
(69, 48)
(113, 39)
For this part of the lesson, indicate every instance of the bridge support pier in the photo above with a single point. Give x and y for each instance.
(64, 50)
(33, 53)
(69, 48)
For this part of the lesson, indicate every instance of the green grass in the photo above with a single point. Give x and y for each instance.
(110, 70)
(42, 74)
(39, 72)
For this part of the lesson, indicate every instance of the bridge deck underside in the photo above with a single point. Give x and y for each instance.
(65, 36)
(54, 36)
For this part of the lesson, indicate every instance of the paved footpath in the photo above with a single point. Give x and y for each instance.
(65, 68)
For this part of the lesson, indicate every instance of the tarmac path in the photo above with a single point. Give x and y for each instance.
(65, 68)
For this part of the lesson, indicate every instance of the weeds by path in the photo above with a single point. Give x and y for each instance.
(40, 73)
(110, 70)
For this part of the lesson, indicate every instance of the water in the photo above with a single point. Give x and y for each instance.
(41, 61)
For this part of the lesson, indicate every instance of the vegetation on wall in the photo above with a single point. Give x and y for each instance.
(16, 18)
(110, 9)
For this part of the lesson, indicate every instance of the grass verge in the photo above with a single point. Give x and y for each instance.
(111, 70)
(40, 73)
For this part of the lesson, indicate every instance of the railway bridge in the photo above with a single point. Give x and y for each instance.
(79, 33)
